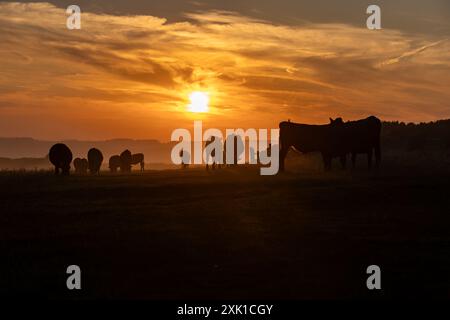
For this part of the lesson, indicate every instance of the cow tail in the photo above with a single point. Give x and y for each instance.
(378, 152)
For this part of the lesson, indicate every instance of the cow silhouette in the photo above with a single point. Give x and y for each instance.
(95, 159)
(61, 157)
(211, 154)
(305, 138)
(125, 161)
(114, 163)
(81, 165)
(360, 137)
(185, 159)
(238, 149)
(138, 158)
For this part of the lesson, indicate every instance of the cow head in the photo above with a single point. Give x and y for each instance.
(336, 121)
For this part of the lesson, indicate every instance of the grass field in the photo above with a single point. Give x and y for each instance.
(230, 234)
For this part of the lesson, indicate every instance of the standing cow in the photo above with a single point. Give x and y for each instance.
(95, 159)
(237, 149)
(114, 163)
(81, 165)
(361, 136)
(185, 159)
(138, 158)
(61, 157)
(326, 139)
(125, 161)
(210, 149)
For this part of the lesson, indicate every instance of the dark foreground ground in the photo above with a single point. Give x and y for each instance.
(228, 235)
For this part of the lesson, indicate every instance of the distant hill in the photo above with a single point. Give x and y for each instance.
(155, 151)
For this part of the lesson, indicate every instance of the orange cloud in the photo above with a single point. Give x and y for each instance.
(130, 76)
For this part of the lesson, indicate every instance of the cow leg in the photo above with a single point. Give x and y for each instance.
(282, 156)
(369, 159)
(326, 162)
(344, 161)
(324, 159)
(377, 154)
(353, 160)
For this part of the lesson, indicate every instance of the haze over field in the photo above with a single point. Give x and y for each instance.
(155, 151)
(130, 70)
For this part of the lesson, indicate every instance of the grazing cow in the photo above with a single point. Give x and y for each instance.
(361, 136)
(114, 163)
(326, 139)
(61, 157)
(138, 158)
(125, 161)
(81, 165)
(95, 159)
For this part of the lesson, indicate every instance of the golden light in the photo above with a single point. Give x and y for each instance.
(199, 102)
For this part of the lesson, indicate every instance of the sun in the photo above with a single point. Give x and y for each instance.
(199, 102)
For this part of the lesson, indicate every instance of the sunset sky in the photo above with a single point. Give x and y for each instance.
(129, 71)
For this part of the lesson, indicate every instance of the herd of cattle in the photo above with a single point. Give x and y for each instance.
(337, 139)
(61, 157)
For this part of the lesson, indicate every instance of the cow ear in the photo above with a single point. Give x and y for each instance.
(331, 120)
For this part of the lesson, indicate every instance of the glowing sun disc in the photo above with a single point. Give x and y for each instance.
(199, 102)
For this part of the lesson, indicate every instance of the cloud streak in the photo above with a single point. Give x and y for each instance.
(140, 69)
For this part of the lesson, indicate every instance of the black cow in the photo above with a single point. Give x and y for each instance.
(125, 161)
(80, 165)
(326, 139)
(361, 136)
(138, 158)
(61, 157)
(211, 153)
(95, 159)
(114, 163)
(238, 145)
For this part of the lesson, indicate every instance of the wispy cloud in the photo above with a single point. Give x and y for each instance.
(412, 53)
(139, 70)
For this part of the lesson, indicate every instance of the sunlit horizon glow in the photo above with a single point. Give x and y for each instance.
(131, 76)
